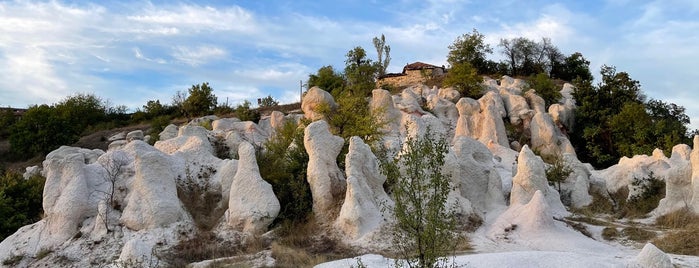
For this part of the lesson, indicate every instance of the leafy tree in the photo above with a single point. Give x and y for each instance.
(201, 100)
(286, 162)
(245, 113)
(327, 79)
(20, 201)
(268, 101)
(471, 48)
(558, 171)
(383, 52)
(360, 71)
(153, 109)
(464, 79)
(424, 228)
(527, 57)
(615, 120)
(81, 111)
(7, 120)
(545, 88)
(41, 130)
(573, 66)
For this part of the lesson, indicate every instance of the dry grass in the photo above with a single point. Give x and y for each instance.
(203, 246)
(684, 241)
(304, 244)
(638, 234)
(600, 205)
(589, 220)
(677, 219)
(610, 233)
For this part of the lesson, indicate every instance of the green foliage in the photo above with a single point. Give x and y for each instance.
(424, 229)
(245, 113)
(545, 88)
(157, 125)
(471, 48)
(526, 57)
(465, 79)
(383, 52)
(650, 191)
(20, 201)
(327, 79)
(201, 100)
(7, 120)
(153, 109)
(41, 130)
(572, 67)
(360, 72)
(613, 120)
(285, 164)
(558, 171)
(268, 101)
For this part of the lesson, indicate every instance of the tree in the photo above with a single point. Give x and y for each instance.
(114, 166)
(327, 79)
(527, 57)
(423, 232)
(545, 88)
(153, 109)
(383, 52)
(558, 171)
(40, 130)
(572, 67)
(464, 79)
(245, 113)
(201, 100)
(360, 72)
(471, 48)
(268, 101)
(7, 120)
(20, 201)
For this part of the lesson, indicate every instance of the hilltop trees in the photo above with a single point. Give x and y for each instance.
(471, 48)
(201, 100)
(614, 119)
(383, 52)
(328, 79)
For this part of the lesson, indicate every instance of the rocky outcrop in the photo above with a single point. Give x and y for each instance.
(531, 177)
(315, 100)
(466, 124)
(678, 181)
(252, 205)
(382, 104)
(152, 199)
(652, 257)
(324, 176)
(365, 200)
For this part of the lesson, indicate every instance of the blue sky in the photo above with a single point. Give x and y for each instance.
(130, 52)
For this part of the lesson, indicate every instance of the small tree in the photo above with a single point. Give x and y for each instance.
(470, 48)
(545, 88)
(201, 100)
(558, 171)
(245, 113)
(383, 52)
(465, 79)
(423, 232)
(268, 101)
(114, 166)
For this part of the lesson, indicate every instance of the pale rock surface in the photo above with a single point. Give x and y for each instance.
(563, 114)
(31, 171)
(505, 160)
(474, 174)
(652, 257)
(410, 102)
(202, 120)
(531, 177)
(116, 145)
(490, 125)
(535, 101)
(577, 185)
(324, 176)
(450, 94)
(252, 205)
(567, 92)
(224, 177)
(224, 124)
(640, 166)
(382, 103)
(135, 135)
(490, 84)
(678, 181)
(152, 200)
(169, 132)
(117, 136)
(694, 160)
(516, 106)
(445, 111)
(466, 124)
(361, 213)
(136, 251)
(547, 138)
(314, 99)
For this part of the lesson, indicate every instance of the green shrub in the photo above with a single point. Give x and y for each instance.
(285, 164)
(157, 125)
(651, 190)
(245, 113)
(20, 201)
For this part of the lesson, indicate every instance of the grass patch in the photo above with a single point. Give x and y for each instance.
(300, 244)
(685, 241)
(203, 246)
(610, 233)
(601, 204)
(677, 219)
(43, 253)
(13, 260)
(588, 220)
(638, 234)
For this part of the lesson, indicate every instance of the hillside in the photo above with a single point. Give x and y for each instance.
(221, 192)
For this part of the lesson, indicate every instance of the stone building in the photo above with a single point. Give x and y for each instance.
(416, 72)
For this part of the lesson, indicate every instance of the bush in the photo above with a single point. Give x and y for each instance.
(20, 201)
(157, 125)
(465, 79)
(558, 171)
(424, 230)
(651, 190)
(245, 113)
(286, 162)
(545, 88)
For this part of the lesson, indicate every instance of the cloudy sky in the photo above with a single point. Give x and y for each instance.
(130, 52)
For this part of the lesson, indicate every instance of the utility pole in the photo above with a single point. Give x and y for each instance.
(300, 91)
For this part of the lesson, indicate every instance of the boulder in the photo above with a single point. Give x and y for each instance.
(535, 101)
(31, 171)
(411, 102)
(365, 200)
(445, 111)
(466, 124)
(169, 132)
(324, 176)
(382, 104)
(516, 106)
(224, 124)
(678, 181)
(252, 205)
(652, 257)
(450, 94)
(135, 135)
(474, 174)
(316, 99)
(117, 136)
(531, 177)
(152, 199)
(694, 160)
(490, 125)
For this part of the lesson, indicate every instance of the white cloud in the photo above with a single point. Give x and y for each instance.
(198, 55)
(195, 18)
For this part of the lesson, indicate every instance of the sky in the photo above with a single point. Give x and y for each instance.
(129, 52)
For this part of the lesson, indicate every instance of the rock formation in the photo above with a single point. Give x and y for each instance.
(324, 176)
